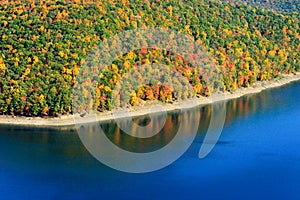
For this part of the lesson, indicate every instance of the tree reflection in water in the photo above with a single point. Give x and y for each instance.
(69, 143)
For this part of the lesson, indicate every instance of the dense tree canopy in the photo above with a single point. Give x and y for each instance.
(44, 43)
(279, 5)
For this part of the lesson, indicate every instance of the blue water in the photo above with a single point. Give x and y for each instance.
(257, 157)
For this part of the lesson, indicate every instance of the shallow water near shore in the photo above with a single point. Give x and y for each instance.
(257, 156)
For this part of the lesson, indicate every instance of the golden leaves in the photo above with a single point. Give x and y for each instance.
(61, 54)
(58, 16)
(35, 60)
(27, 71)
(75, 71)
(227, 8)
(107, 89)
(10, 47)
(4, 37)
(272, 53)
(33, 38)
(8, 101)
(133, 99)
(41, 97)
(42, 28)
(115, 68)
(101, 9)
(188, 72)
(29, 22)
(170, 10)
(127, 64)
(3, 67)
(5, 23)
(134, 24)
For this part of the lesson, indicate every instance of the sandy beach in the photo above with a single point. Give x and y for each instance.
(68, 121)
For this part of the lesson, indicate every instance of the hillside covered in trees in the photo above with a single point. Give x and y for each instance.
(44, 43)
(279, 5)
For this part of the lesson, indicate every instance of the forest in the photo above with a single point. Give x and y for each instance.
(279, 5)
(44, 43)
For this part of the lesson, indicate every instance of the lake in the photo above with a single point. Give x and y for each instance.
(257, 156)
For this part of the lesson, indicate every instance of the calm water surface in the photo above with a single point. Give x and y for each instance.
(257, 156)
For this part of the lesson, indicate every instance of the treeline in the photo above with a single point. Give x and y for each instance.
(44, 43)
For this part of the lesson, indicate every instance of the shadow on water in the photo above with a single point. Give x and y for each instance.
(67, 142)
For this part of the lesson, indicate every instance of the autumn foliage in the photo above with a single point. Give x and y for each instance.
(44, 43)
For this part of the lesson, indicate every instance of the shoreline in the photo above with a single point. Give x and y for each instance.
(68, 121)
